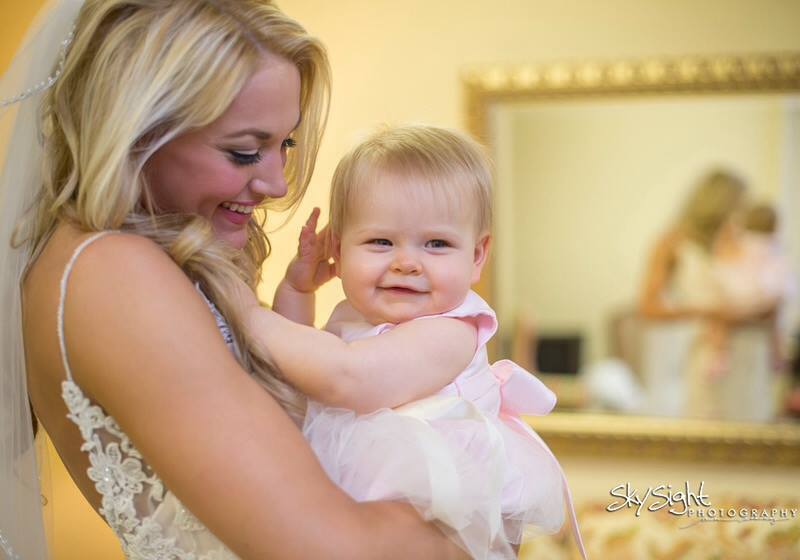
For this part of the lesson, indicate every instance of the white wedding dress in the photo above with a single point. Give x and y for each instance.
(679, 355)
(149, 520)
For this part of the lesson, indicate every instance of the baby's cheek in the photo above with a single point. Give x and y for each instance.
(454, 285)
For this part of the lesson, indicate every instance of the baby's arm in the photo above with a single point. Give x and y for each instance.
(310, 268)
(411, 361)
(293, 304)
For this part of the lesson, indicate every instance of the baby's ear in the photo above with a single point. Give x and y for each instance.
(481, 255)
(335, 251)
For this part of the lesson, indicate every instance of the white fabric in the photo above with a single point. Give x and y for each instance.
(678, 356)
(21, 529)
(667, 346)
(149, 520)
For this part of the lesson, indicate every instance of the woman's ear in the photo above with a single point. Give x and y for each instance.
(481, 255)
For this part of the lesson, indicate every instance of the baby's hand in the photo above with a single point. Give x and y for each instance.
(311, 267)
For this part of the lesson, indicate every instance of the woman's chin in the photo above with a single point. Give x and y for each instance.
(234, 235)
(236, 238)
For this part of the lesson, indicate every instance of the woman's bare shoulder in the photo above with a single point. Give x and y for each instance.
(123, 270)
(113, 251)
(98, 269)
(130, 310)
(671, 238)
(104, 252)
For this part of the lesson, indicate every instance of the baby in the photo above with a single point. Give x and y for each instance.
(754, 280)
(403, 401)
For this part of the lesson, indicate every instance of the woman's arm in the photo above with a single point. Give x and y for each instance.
(652, 304)
(411, 361)
(143, 344)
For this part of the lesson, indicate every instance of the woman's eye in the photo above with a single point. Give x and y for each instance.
(288, 143)
(245, 158)
(437, 244)
(381, 242)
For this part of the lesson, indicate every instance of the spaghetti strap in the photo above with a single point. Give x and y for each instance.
(63, 294)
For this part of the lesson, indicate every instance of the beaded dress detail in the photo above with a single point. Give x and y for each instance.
(149, 520)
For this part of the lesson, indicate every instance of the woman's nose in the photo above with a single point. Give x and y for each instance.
(276, 188)
(269, 180)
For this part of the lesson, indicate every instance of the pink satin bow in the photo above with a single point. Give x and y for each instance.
(521, 392)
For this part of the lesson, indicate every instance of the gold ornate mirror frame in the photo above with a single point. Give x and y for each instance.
(621, 435)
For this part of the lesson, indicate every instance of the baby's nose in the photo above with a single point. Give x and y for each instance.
(405, 264)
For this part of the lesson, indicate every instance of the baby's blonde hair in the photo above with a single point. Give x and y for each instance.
(761, 218)
(446, 161)
(140, 73)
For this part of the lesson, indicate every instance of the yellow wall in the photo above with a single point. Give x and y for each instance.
(16, 16)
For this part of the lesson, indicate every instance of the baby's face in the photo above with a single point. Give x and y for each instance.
(404, 254)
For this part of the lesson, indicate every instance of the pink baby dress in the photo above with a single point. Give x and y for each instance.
(462, 457)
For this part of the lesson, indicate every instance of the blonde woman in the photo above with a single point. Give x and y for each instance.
(167, 127)
(683, 301)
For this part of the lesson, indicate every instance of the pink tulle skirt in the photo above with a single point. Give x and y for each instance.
(487, 481)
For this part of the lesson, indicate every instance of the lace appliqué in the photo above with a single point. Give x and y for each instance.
(121, 476)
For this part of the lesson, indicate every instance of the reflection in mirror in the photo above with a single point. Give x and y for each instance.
(631, 261)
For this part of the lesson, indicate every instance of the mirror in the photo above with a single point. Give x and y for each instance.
(594, 164)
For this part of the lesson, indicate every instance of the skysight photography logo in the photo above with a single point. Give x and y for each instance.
(694, 505)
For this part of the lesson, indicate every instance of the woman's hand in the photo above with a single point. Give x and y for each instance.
(311, 266)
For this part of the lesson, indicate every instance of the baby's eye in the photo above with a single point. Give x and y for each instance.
(381, 242)
(245, 158)
(437, 244)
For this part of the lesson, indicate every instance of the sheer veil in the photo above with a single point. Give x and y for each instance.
(34, 68)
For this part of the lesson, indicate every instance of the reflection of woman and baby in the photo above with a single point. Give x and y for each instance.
(713, 290)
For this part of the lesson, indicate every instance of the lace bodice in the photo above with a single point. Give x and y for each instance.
(149, 520)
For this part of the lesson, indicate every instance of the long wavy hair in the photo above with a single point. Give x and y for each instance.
(138, 74)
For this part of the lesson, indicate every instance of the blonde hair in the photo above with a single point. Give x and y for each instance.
(449, 163)
(713, 201)
(137, 75)
(761, 218)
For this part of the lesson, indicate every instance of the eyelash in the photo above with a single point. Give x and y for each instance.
(440, 243)
(243, 159)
